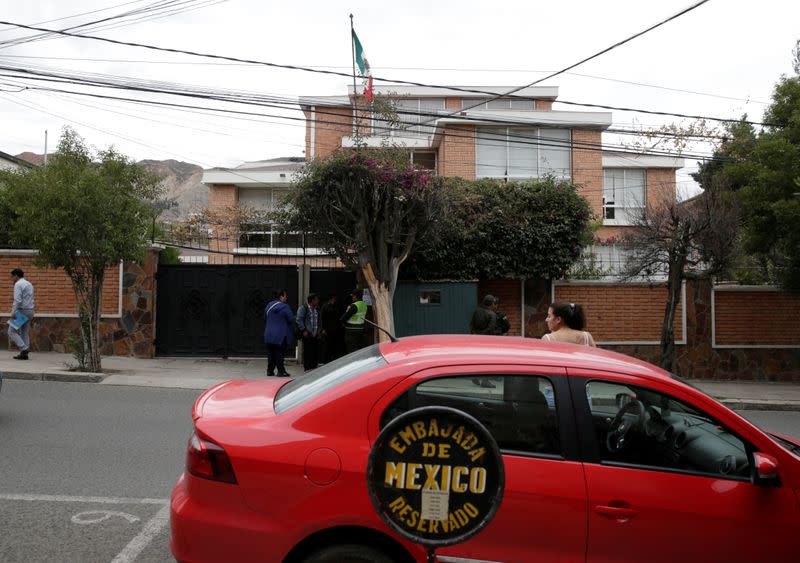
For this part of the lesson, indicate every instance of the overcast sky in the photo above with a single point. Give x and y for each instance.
(729, 53)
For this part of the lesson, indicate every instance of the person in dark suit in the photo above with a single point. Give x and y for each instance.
(332, 329)
(278, 332)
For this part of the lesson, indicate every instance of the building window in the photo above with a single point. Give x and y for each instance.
(499, 103)
(517, 153)
(623, 195)
(423, 160)
(430, 297)
(411, 112)
(265, 235)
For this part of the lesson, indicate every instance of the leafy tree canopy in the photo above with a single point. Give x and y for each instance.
(79, 211)
(763, 169)
(370, 206)
(82, 213)
(496, 229)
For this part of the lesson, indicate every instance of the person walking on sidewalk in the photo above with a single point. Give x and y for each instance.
(278, 332)
(308, 326)
(484, 319)
(353, 320)
(566, 322)
(23, 305)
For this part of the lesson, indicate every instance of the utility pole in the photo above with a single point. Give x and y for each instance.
(45, 147)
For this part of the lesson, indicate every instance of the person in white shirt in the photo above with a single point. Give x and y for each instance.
(23, 305)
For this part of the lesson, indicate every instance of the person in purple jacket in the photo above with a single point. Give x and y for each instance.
(278, 332)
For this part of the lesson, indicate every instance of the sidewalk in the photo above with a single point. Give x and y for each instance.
(181, 373)
(201, 373)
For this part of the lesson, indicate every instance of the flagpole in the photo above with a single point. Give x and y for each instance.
(355, 89)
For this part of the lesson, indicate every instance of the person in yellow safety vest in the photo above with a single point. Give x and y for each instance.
(353, 320)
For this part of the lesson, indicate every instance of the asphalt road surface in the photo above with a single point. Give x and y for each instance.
(86, 470)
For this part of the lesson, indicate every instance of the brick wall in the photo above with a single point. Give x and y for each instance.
(457, 153)
(660, 186)
(331, 126)
(223, 242)
(509, 292)
(587, 168)
(544, 105)
(621, 312)
(52, 288)
(752, 316)
(130, 333)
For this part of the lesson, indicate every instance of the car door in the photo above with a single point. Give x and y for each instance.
(677, 487)
(542, 516)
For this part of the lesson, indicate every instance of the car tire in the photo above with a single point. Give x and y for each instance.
(349, 553)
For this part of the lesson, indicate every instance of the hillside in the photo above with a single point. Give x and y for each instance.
(182, 182)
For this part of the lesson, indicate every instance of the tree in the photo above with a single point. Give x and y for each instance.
(682, 240)
(505, 230)
(83, 214)
(369, 207)
(763, 169)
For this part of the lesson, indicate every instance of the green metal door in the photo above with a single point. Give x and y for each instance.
(434, 308)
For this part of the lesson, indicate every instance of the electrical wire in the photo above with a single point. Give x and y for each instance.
(376, 78)
(252, 99)
(422, 69)
(599, 53)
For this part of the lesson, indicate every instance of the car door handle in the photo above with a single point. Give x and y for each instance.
(618, 513)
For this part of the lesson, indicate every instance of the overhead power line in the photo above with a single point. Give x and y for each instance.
(347, 75)
(387, 128)
(414, 68)
(599, 53)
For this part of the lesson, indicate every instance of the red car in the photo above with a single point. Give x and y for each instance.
(607, 458)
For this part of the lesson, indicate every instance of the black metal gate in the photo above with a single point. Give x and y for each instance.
(205, 310)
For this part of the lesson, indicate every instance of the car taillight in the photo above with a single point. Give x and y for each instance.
(207, 460)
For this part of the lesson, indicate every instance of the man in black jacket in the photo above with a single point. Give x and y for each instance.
(484, 319)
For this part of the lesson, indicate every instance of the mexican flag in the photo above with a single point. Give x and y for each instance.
(363, 67)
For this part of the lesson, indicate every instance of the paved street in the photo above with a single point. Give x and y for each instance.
(86, 470)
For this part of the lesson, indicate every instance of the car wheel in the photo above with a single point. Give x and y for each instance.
(348, 553)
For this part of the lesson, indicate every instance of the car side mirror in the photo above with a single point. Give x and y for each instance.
(622, 399)
(765, 469)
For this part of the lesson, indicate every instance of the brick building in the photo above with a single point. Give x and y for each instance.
(508, 138)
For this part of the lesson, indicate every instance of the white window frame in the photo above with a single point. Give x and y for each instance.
(484, 105)
(407, 115)
(534, 146)
(624, 214)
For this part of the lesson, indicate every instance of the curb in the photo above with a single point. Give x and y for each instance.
(55, 375)
(760, 405)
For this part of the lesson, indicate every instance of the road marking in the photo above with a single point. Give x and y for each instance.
(93, 500)
(153, 527)
(97, 516)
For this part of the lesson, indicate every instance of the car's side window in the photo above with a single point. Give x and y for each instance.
(519, 410)
(639, 426)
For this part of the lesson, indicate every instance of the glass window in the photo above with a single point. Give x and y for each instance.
(555, 152)
(523, 152)
(430, 297)
(320, 380)
(424, 160)
(499, 103)
(411, 112)
(519, 410)
(491, 149)
(623, 195)
(639, 426)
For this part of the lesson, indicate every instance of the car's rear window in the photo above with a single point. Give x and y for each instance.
(318, 381)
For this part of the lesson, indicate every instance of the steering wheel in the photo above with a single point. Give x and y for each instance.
(621, 426)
